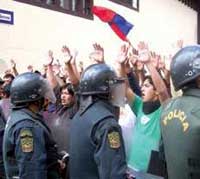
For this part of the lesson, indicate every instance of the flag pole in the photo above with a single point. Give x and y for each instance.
(130, 44)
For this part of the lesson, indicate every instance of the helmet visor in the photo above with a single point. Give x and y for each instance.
(47, 91)
(118, 93)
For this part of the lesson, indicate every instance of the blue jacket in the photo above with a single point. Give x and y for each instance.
(28, 148)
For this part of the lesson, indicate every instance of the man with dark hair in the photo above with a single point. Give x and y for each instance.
(8, 78)
(147, 108)
(180, 122)
(5, 104)
(59, 120)
(62, 117)
(67, 97)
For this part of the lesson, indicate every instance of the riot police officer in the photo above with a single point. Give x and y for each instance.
(96, 144)
(29, 151)
(180, 124)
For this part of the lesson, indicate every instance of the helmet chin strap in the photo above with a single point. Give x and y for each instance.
(85, 102)
(19, 106)
(37, 106)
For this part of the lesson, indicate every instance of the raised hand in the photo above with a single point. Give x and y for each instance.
(143, 52)
(50, 58)
(168, 60)
(154, 59)
(66, 54)
(98, 54)
(122, 55)
(133, 57)
(13, 64)
(74, 55)
(30, 68)
(179, 43)
(161, 62)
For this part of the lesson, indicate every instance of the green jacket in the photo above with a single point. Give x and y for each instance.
(180, 128)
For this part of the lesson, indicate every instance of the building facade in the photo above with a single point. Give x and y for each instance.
(40, 25)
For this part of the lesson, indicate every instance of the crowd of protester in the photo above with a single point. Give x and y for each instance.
(148, 86)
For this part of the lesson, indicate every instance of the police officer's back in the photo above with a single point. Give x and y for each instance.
(181, 117)
(28, 148)
(96, 145)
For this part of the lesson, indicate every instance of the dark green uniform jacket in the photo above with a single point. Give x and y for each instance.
(180, 126)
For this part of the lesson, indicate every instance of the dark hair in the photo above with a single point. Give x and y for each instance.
(9, 75)
(69, 88)
(6, 89)
(1, 81)
(150, 81)
(38, 72)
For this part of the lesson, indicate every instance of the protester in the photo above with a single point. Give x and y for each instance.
(1, 85)
(59, 115)
(8, 78)
(146, 134)
(5, 104)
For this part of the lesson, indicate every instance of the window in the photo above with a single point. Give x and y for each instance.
(133, 4)
(81, 8)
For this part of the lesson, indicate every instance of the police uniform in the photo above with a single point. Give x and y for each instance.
(180, 123)
(29, 151)
(96, 145)
(180, 126)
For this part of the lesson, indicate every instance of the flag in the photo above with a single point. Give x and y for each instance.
(118, 23)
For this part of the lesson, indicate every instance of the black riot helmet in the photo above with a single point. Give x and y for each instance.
(101, 80)
(185, 66)
(29, 87)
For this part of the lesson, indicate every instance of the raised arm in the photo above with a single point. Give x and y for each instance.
(146, 58)
(49, 72)
(121, 59)
(14, 69)
(74, 64)
(68, 67)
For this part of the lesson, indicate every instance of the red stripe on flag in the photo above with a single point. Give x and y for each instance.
(116, 29)
(105, 14)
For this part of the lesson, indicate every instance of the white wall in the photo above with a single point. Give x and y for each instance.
(36, 30)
